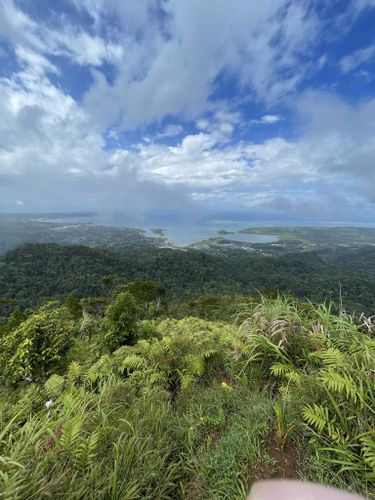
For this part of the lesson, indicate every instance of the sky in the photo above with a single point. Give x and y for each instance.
(263, 109)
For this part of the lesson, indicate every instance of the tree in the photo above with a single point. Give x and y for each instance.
(145, 290)
(74, 306)
(7, 306)
(120, 321)
(35, 348)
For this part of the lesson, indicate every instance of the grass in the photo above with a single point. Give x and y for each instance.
(198, 409)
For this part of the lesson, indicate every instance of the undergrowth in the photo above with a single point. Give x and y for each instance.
(187, 408)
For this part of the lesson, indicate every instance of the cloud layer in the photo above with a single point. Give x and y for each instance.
(111, 105)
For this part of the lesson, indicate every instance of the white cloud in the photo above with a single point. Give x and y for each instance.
(344, 139)
(202, 124)
(171, 131)
(357, 58)
(331, 163)
(30, 37)
(267, 120)
(166, 60)
(52, 151)
(178, 71)
(51, 155)
(37, 62)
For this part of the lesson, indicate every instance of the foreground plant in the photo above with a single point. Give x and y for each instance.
(186, 408)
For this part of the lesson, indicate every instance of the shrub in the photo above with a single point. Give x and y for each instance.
(120, 321)
(36, 347)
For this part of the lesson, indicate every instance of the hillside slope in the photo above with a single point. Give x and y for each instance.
(184, 408)
(34, 272)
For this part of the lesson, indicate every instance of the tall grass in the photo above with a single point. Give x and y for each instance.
(199, 409)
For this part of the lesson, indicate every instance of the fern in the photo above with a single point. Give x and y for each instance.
(54, 386)
(70, 434)
(74, 401)
(368, 451)
(294, 377)
(281, 369)
(195, 364)
(186, 411)
(131, 362)
(86, 451)
(316, 415)
(187, 380)
(157, 378)
(341, 384)
(330, 358)
(75, 372)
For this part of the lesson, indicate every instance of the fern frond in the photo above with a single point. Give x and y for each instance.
(368, 449)
(86, 451)
(281, 369)
(74, 372)
(330, 358)
(157, 378)
(187, 380)
(70, 434)
(341, 384)
(294, 377)
(316, 415)
(54, 386)
(285, 393)
(131, 362)
(195, 364)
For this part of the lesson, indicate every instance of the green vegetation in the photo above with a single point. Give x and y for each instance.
(128, 400)
(34, 273)
(132, 371)
(120, 321)
(16, 230)
(224, 232)
(158, 231)
(319, 235)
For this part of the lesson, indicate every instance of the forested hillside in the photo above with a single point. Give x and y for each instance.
(147, 372)
(35, 272)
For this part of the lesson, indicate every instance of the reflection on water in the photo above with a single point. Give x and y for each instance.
(184, 235)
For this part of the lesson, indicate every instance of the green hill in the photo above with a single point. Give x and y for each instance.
(35, 272)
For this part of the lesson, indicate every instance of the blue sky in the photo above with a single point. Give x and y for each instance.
(260, 108)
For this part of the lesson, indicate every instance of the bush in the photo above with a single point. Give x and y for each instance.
(120, 321)
(36, 347)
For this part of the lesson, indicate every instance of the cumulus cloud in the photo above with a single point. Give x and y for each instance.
(344, 135)
(153, 63)
(52, 157)
(333, 159)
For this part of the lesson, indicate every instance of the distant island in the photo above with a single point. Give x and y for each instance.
(158, 231)
(224, 231)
